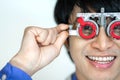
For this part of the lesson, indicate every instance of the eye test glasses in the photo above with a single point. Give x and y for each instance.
(88, 24)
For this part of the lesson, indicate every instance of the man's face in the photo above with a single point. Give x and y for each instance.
(97, 58)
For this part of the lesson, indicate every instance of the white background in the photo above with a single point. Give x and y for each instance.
(15, 15)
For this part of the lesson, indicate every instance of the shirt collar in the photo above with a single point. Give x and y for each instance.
(74, 77)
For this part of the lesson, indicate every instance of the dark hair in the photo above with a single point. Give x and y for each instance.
(64, 8)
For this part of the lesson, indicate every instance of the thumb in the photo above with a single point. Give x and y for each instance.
(61, 39)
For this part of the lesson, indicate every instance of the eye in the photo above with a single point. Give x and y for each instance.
(116, 30)
(87, 30)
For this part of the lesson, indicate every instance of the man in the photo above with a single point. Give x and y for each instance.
(95, 52)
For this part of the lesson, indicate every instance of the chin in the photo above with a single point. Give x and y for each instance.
(101, 76)
(90, 74)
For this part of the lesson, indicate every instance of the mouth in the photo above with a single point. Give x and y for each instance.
(101, 62)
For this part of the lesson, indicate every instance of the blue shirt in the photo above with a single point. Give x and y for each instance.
(14, 73)
(74, 77)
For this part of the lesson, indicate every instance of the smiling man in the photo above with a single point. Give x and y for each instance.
(93, 42)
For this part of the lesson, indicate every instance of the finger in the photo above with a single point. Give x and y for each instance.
(61, 27)
(54, 36)
(37, 33)
(49, 38)
(58, 29)
(53, 39)
(42, 36)
(61, 39)
(53, 32)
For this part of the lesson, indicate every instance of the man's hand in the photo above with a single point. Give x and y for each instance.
(39, 47)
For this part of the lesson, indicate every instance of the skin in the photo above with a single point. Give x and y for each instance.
(41, 46)
(101, 45)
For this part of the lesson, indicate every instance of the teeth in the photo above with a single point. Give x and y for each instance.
(101, 59)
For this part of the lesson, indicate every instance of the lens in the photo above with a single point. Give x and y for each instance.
(115, 30)
(88, 30)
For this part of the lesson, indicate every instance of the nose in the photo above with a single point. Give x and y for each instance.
(102, 41)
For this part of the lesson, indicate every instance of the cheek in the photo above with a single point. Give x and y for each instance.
(117, 42)
(77, 45)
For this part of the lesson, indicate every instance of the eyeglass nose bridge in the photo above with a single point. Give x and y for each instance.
(102, 18)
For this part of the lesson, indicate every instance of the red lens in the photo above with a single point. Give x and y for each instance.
(87, 29)
(115, 30)
(90, 33)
